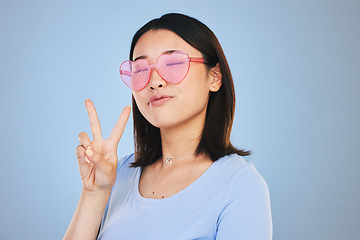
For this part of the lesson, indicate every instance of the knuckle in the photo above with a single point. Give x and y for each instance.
(78, 157)
(79, 148)
(108, 168)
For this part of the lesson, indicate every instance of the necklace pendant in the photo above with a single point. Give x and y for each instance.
(168, 161)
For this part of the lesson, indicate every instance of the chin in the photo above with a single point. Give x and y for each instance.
(162, 118)
(163, 123)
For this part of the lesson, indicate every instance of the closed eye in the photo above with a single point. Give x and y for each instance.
(174, 63)
(140, 70)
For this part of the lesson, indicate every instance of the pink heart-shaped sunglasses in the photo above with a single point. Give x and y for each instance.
(173, 68)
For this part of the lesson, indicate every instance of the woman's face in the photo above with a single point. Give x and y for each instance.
(167, 105)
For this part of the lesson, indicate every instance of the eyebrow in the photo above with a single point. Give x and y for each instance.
(144, 56)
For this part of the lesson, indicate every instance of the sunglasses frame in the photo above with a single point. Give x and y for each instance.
(154, 65)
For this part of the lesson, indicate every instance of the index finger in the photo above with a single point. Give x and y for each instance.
(118, 130)
(94, 120)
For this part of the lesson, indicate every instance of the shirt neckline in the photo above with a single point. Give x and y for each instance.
(193, 185)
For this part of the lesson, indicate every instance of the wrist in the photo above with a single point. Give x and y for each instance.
(97, 194)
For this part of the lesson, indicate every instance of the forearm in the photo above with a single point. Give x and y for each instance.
(87, 217)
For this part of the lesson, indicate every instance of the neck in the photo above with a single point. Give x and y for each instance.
(182, 139)
(179, 143)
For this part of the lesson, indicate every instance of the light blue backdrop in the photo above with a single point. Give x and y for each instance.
(296, 67)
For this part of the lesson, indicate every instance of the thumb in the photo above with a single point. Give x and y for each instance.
(94, 157)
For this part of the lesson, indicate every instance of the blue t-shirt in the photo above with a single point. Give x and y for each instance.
(229, 201)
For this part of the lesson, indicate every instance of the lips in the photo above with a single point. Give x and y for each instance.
(159, 99)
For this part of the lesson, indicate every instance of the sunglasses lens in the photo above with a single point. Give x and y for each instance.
(135, 74)
(125, 72)
(173, 68)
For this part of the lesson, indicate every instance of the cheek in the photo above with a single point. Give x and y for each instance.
(196, 98)
(196, 86)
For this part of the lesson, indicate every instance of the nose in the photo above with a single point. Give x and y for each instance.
(156, 81)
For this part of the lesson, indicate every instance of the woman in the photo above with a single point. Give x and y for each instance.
(185, 180)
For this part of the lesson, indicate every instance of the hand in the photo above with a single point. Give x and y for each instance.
(98, 158)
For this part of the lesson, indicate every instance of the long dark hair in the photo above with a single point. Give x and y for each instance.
(215, 138)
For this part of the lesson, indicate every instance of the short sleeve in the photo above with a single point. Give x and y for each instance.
(245, 212)
(122, 162)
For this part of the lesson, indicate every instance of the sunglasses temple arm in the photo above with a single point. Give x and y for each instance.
(198, 60)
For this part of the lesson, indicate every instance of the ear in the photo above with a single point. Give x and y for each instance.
(215, 78)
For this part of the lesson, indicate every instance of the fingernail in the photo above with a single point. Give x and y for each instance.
(87, 159)
(79, 140)
(89, 152)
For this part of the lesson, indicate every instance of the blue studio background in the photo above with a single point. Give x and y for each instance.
(296, 69)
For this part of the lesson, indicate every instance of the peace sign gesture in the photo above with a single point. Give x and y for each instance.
(98, 158)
